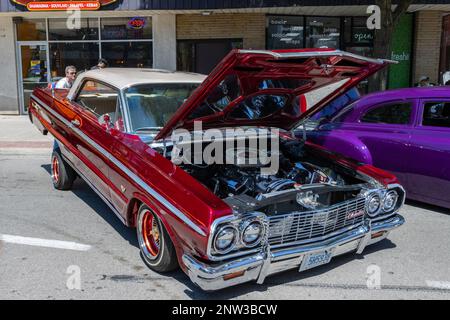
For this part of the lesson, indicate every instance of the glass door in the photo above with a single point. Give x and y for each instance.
(33, 66)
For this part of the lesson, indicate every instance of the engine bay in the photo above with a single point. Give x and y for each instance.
(303, 182)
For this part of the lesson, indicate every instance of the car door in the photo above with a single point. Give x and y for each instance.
(385, 129)
(430, 151)
(120, 188)
(95, 102)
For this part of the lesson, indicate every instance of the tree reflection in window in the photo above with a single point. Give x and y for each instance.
(396, 113)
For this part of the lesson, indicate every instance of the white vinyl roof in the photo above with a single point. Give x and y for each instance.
(124, 77)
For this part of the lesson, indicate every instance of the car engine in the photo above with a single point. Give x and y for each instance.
(245, 188)
(231, 180)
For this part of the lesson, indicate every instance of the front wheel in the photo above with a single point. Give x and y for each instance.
(157, 248)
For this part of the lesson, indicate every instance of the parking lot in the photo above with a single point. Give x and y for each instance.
(69, 245)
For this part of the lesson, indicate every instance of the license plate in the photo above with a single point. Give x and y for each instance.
(316, 259)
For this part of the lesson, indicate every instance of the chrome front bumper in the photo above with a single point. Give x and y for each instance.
(257, 267)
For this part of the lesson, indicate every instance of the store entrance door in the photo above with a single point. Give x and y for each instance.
(33, 66)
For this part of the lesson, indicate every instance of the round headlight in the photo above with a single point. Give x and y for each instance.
(373, 204)
(252, 234)
(225, 239)
(390, 200)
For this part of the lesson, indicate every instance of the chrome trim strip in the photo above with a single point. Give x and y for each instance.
(124, 169)
(98, 192)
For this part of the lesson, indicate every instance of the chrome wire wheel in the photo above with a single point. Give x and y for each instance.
(55, 170)
(157, 249)
(61, 172)
(149, 234)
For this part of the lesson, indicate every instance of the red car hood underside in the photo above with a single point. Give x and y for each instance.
(315, 77)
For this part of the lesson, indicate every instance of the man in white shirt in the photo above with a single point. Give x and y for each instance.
(67, 81)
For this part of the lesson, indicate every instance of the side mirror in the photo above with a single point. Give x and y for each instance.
(105, 121)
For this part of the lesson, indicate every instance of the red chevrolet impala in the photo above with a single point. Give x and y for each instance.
(141, 139)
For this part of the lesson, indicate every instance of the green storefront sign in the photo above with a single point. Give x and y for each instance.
(400, 74)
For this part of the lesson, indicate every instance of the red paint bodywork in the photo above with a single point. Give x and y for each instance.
(184, 192)
(178, 187)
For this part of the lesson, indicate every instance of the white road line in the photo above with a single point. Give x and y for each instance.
(44, 242)
(438, 284)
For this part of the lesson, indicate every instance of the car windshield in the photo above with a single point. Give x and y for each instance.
(150, 106)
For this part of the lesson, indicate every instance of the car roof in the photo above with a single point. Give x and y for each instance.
(408, 93)
(124, 77)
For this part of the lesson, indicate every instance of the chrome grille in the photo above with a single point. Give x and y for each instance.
(298, 227)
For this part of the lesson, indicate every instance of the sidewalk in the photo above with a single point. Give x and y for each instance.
(18, 134)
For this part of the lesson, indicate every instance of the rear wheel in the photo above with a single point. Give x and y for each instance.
(157, 248)
(63, 175)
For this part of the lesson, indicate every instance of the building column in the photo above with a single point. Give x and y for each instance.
(427, 47)
(165, 41)
(9, 103)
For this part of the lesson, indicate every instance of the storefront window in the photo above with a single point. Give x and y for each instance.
(124, 42)
(126, 28)
(358, 40)
(81, 55)
(323, 32)
(31, 30)
(60, 29)
(133, 54)
(285, 32)
(356, 33)
(360, 34)
(202, 56)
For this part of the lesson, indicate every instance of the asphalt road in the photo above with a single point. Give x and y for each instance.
(413, 263)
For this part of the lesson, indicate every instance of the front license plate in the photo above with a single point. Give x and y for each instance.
(316, 259)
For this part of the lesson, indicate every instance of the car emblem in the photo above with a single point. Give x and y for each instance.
(354, 214)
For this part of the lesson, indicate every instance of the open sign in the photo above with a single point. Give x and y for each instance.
(137, 23)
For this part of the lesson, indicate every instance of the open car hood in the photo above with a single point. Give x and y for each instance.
(271, 88)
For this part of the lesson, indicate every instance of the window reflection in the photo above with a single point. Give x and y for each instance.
(31, 30)
(285, 32)
(323, 32)
(81, 55)
(128, 54)
(59, 29)
(126, 28)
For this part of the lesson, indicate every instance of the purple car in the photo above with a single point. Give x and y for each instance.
(405, 131)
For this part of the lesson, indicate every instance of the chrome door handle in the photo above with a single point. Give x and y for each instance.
(75, 122)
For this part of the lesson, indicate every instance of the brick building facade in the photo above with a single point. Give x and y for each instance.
(250, 28)
(427, 44)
